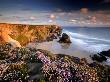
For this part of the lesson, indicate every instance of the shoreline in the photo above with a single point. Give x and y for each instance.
(61, 48)
(70, 49)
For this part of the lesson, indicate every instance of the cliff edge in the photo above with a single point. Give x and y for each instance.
(22, 34)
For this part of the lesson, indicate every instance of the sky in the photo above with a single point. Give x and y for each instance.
(61, 12)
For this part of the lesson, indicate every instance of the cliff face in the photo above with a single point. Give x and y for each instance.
(27, 33)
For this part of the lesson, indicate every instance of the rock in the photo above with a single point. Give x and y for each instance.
(14, 43)
(35, 74)
(76, 60)
(5, 36)
(99, 58)
(52, 37)
(105, 53)
(83, 61)
(65, 38)
(102, 56)
(94, 64)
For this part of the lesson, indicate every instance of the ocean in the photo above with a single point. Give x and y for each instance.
(86, 41)
(91, 39)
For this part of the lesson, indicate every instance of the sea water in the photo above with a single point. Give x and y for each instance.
(90, 39)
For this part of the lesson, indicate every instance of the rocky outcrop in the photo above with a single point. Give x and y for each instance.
(99, 58)
(24, 34)
(65, 38)
(8, 39)
(102, 56)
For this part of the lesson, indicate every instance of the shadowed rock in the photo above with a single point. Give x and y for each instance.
(65, 38)
(102, 56)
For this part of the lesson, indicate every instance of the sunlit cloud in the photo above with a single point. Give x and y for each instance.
(72, 18)
(93, 19)
(84, 10)
(50, 21)
(32, 18)
(52, 16)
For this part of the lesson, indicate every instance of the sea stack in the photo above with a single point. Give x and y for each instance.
(65, 38)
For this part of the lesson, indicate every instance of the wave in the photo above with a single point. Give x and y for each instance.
(77, 35)
(88, 43)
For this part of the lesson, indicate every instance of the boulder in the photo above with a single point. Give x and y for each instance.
(102, 56)
(64, 39)
(99, 58)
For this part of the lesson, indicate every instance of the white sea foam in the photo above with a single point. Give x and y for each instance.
(88, 43)
(84, 36)
(107, 62)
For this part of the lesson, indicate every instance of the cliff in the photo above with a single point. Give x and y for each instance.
(24, 34)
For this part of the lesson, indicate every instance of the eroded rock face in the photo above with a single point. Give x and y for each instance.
(23, 34)
(65, 38)
(6, 38)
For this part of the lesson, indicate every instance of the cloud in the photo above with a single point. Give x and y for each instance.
(1, 15)
(50, 21)
(52, 16)
(106, 1)
(58, 10)
(84, 10)
(16, 17)
(32, 18)
(26, 9)
(93, 19)
(73, 21)
(101, 17)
